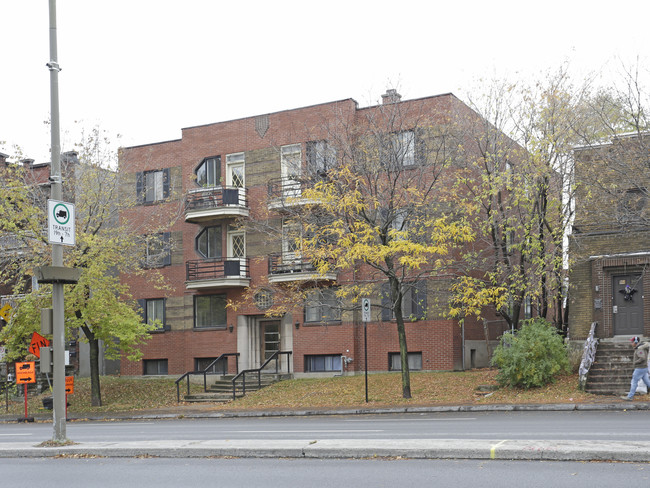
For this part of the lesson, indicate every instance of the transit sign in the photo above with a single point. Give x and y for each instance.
(60, 222)
(69, 385)
(365, 310)
(25, 372)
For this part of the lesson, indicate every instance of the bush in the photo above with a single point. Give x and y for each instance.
(531, 357)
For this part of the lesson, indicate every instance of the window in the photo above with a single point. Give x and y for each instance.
(404, 148)
(157, 250)
(208, 173)
(235, 170)
(414, 301)
(152, 186)
(631, 205)
(209, 311)
(154, 366)
(153, 310)
(322, 306)
(290, 161)
(414, 361)
(323, 363)
(201, 364)
(321, 157)
(291, 236)
(208, 242)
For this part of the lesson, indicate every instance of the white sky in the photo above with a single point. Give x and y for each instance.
(147, 68)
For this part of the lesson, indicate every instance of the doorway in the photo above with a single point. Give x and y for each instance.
(627, 311)
(270, 333)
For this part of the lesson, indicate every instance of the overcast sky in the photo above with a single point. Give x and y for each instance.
(147, 68)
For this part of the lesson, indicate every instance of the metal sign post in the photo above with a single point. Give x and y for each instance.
(365, 317)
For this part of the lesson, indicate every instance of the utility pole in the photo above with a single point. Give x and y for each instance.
(56, 192)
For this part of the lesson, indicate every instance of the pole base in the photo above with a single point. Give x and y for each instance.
(25, 419)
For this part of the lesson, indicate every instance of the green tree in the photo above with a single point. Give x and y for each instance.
(99, 304)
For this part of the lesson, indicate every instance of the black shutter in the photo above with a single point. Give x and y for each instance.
(142, 303)
(139, 187)
(167, 258)
(386, 308)
(166, 182)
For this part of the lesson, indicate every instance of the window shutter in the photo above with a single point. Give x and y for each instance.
(386, 309)
(139, 187)
(167, 258)
(166, 183)
(419, 300)
(142, 303)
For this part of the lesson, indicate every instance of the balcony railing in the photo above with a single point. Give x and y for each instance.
(290, 268)
(217, 273)
(288, 191)
(206, 203)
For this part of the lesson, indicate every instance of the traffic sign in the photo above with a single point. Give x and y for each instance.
(38, 341)
(69, 385)
(25, 372)
(365, 310)
(5, 312)
(60, 222)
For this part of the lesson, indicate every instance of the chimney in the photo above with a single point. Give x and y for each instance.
(391, 96)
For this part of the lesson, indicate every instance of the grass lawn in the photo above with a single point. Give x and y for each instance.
(123, 394)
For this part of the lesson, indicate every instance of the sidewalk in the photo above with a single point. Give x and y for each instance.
(353, 448)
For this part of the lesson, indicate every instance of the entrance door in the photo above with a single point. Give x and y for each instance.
(628, 304)
(270, 331)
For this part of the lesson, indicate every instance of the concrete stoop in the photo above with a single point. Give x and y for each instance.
(221, 390)
(611, 372)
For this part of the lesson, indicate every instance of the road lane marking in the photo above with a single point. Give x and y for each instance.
(298, 431)
(494, 448)
(411, 420)
(10, 435)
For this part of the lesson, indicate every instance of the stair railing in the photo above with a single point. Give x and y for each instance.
(588, 356)
(205, 372)
(275, 356)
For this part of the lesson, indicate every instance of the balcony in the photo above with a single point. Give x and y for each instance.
(204, 204)
(287, 192)
(217, 273)
(284, 269)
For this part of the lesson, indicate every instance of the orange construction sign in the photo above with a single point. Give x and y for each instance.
(69, 385)
(25, 373)
(38, 341)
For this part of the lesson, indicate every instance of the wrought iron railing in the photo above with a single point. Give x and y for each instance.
(242, 375)
(208, 370)
(217, 268)
(211, 198)
(588, 355)
(280, 263)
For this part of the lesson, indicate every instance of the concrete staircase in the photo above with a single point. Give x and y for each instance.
(220, 391)
(611, 372)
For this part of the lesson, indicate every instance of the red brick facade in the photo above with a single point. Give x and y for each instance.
(439, 341)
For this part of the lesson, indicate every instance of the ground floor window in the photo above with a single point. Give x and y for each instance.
(323, 363)
(210, 311)
(201, 364)
(155, 366)
(414, 361)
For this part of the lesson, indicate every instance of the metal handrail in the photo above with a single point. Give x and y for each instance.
(275, 356)
(588, 355)
(205, 372)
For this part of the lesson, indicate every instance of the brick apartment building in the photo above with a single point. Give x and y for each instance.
(218, 176)
(610, 244)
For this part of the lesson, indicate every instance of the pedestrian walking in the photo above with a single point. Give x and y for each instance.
(640, 363)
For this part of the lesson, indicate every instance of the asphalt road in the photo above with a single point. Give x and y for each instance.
(321, 473)
(495, 426)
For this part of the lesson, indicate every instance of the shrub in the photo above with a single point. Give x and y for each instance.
(531, 357)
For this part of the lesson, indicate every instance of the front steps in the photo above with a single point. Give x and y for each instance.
(220, 391)
(611, 372)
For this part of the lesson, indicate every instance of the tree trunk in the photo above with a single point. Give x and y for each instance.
(396, 296)
(95, 387)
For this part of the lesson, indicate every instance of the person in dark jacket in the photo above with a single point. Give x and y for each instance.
(640, 363)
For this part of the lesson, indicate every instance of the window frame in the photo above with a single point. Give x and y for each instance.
(144, 305)
(142, 189)
(211, 312)
(327, 308)
(327, 358)
(161, 244)
(216, 161)
(414, 354)
(164, 362)
(219, 242)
